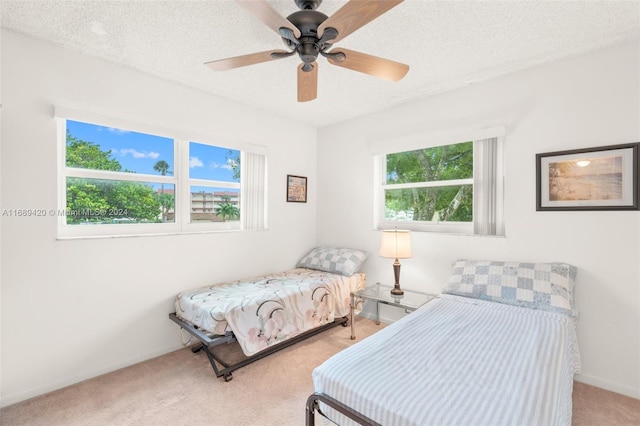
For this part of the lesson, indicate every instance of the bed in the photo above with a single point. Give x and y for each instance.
(264, 314)
(498, 347)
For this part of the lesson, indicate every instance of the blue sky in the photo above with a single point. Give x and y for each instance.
(139, 152)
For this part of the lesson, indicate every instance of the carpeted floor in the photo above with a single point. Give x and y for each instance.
(180, 389)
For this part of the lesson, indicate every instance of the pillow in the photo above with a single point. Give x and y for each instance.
(337, 260)
(543, 286)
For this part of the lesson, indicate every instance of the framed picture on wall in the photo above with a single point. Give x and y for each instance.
(602, 178)
(296, 189)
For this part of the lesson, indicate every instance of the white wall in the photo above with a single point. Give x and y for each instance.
(71, 310)
(584, 101)
(75, 309)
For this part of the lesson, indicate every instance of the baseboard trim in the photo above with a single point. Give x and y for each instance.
(6, 400)
(608, 385)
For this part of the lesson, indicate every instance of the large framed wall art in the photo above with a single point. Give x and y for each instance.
(601, 178)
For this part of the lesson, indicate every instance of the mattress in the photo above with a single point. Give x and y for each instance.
(459, 361)
(265, 310)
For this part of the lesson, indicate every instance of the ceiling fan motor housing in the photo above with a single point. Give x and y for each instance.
(307, 21)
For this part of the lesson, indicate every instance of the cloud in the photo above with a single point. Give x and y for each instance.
(195, 162)
(137, 154)
(213, 165)
(229, 165)
(114, 130)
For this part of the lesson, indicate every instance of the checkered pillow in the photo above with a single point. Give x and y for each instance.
(337, 260)
(545, 286)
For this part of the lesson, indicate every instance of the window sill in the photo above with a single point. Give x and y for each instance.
(151, 234)
(444, 228)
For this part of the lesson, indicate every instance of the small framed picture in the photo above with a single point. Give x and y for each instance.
(296, 189)
(602, 178)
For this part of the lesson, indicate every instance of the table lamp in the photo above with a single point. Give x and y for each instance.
(396, 244)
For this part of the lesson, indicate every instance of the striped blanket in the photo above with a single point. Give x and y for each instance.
(459, 361)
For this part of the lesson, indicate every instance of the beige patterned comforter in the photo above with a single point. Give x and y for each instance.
(266, 310)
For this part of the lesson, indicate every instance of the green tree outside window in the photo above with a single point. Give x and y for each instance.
(103, 200)
(432, 203)
(226, 210)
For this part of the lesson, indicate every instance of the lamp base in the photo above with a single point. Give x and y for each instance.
(397, 291)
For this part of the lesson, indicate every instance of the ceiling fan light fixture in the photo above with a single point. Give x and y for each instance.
(308, 51)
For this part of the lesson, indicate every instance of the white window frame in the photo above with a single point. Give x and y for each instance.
(186, 201)
(380, 148)
(180, 179)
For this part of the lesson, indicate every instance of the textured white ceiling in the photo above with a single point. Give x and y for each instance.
(446, 43)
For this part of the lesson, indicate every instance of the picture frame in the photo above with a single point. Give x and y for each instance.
(296, 189)
(600, 178)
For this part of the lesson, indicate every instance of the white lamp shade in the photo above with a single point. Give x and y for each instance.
(395, 244)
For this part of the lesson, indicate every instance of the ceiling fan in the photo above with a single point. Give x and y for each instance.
(310, 33)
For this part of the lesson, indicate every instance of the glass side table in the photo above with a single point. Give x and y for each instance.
(409, 301)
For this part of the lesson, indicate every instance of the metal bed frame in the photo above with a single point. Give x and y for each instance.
(313, 405)
(224, 369)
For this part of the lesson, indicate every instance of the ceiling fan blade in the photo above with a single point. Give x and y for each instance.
(307, 83)
(244, 60)
(354, 15)
(372, 65)
(268, 15)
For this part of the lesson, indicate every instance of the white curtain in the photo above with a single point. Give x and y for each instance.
(487, 218)
(253, 192)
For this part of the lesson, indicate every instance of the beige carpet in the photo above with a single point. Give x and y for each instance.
(180, 389)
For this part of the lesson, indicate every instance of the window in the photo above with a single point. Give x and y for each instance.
(455, 187)
(430, 185)
(115, 176)
(214, 184)
(115, 181)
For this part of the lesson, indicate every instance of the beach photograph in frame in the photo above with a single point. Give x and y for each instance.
(602, 178)
(296, 189)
